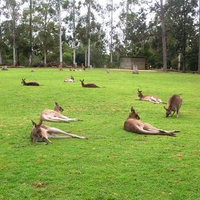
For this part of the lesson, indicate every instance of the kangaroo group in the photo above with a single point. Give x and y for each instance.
(134, 124)
(42, 133)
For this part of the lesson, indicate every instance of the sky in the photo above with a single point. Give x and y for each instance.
(103, 3)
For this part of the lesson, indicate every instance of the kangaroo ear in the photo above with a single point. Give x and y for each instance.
(165, 108)
(33, 123)
(132, 109)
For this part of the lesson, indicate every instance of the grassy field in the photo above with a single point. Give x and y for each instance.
(112, 164)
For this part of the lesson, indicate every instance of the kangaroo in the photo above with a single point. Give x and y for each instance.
(88, 85)
(42, 133)
(134, 124)
(55, 115)
(69, 79)
(29, 83)
(151, 98)
(174, 105)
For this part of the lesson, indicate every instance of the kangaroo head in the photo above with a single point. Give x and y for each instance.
(36, 127)
(23, 81)
(133, 114)
(36, 132)
(140, 93)
(58, 108)
(168, 111)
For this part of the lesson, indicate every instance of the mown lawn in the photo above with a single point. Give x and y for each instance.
(112, 164)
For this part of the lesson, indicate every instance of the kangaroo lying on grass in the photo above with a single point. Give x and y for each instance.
(88, 85)
(29, 83)
(151, 98)
(55, 115)
(174, 105)
(69, 79)
(42, 133)
(133, 124)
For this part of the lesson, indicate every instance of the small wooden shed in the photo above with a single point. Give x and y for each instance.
(130, 62)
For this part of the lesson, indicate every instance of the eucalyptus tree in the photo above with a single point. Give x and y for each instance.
(110, 24)
(97, 38)
(11, 12)
(157, 36)
(1, 42)
(71, 19)
(93, 9)
(60, 36)
(30, 12)
(111, 30)
(45, 28)
(134, 29)
(199, 41)
(181, 16)
(162, 16)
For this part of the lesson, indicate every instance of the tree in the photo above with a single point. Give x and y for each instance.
(199, 41)
(46, 30)
(60, 37)
(30, 34)
(73, 12)
(134, 29)
(181, 16)
(92, 7)
(163, 37)
(1, 43)
(12, 12)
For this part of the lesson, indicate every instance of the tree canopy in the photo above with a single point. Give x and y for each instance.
(29, 32)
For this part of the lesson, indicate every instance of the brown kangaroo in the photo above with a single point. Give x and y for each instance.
(88, 85)
(29, 83)
(42, 133)
(174, 105)
(133, 124)
(151, 98)
(55, 115)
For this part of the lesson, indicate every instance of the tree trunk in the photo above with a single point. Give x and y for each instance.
(14, 45)
(111, 34)
(1, 62)
(163, 38)
(199, 42)
(30, 36)
(89, 13)
(60, 39)
(86, 58)
(45, 58)
(74, 36)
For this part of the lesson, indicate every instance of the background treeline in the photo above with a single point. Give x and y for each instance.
(29, 32)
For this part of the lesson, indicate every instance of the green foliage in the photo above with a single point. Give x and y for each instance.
(112, 163)
(33, 31)
(67, 58)
(174, 63)
(181, 15)
(180, 23)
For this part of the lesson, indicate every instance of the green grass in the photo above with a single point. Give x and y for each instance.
(112, 164)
